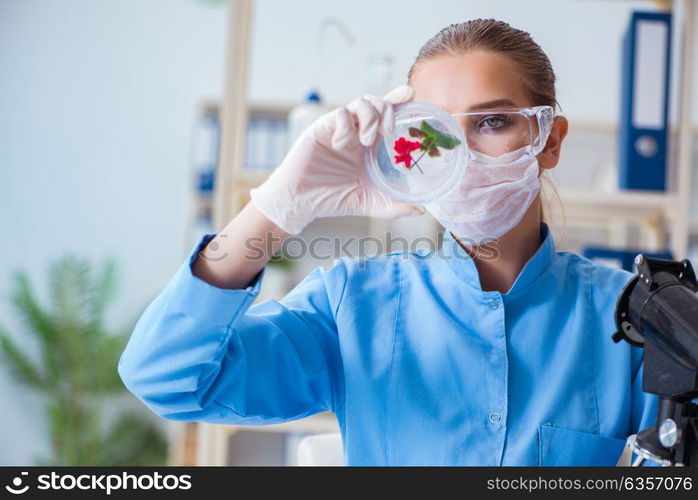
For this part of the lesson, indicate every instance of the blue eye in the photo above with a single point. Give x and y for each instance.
(492, 122)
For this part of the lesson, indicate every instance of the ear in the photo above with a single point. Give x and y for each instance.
(549, 157)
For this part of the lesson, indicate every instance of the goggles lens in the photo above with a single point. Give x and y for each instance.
(495, 133)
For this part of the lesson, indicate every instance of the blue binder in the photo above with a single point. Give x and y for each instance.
(624, 258)
(643, 123)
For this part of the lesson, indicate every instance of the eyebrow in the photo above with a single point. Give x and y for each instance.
(497, 103)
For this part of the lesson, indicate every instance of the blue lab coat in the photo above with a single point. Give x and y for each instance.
(419, 364)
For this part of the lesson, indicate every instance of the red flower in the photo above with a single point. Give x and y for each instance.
(403, 148)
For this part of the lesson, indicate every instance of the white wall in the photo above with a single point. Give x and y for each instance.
(96, 103)
(581, 37)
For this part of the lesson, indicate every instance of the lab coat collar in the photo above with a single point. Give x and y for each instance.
(463, 266)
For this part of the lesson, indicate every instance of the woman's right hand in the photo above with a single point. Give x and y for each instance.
(323, 174)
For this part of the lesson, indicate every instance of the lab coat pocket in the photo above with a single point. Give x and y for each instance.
(558, 446)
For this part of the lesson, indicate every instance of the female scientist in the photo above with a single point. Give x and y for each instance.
(451, 357)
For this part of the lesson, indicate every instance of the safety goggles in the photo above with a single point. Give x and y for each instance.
(430, 150)
(511, 133)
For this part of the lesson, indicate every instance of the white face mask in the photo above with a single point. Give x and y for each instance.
(491, 199)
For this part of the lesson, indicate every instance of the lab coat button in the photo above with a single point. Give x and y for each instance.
(494, 417)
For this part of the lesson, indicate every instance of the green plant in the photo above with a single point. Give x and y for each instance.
(280, 261)
(76, 370)
(429, 140)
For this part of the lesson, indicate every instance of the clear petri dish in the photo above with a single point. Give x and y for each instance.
(423, 159)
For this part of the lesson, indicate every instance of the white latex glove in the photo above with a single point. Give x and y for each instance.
(323, 174)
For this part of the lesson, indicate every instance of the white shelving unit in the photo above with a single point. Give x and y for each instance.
(649, 212)
(213, 440)
(662, 219)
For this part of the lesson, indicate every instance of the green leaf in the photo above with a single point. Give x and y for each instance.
(434, 152)
(20, 365)
(105, 378)
(439, 138)
(427, 143)
(428, 130)
(101, 292)
(133, 440)
(415, 132)
(37, 320)
(76, 370)
(446, 141)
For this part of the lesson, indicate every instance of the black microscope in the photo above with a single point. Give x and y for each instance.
(658, 311)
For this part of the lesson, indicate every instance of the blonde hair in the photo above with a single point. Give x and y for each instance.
(534, 67)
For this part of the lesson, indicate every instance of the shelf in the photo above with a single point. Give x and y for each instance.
(634, 204)
(320, 423)
(251, 178)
